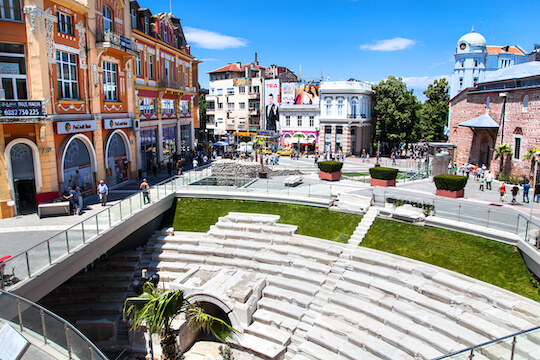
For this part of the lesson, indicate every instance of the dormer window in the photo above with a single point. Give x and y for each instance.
(107, 19)
(133, 18)
(146, 26)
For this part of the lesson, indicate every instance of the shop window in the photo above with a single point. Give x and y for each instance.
(110, 88)
(66, 74)
(10, 10)
(13, 78)
(64, 23)
(107, 19)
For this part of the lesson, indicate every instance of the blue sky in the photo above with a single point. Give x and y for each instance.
(342, 39)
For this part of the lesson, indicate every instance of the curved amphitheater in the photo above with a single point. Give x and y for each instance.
(302, 298)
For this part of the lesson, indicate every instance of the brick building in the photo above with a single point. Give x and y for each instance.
(503, 109)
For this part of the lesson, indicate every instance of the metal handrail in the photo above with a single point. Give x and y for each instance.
(472, 348)
(65, 325)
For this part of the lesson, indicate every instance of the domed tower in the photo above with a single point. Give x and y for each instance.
(469, 62)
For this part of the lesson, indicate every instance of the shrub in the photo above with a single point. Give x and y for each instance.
(450, 182)
(330, 166)
(383, 173)
(510, 179)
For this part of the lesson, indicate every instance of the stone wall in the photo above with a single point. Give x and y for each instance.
(236, 168)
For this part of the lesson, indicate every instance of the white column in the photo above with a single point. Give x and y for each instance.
(159, 146)
(178, 137)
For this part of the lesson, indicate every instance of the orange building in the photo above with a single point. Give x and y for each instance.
(78, 126)
(165, 87)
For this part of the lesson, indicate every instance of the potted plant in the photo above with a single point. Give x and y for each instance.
(452, 186)
(383, 176)
(330, 170)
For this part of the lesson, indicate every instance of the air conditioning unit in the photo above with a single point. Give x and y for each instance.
(136, 125)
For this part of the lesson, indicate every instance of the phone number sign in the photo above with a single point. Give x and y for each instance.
(20, 108)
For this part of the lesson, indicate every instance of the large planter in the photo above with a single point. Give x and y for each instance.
(450, 193)
(384, 183)
(330, 176)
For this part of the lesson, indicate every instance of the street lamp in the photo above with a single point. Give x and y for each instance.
(536, 157)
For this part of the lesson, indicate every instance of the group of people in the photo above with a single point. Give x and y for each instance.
(515, 191)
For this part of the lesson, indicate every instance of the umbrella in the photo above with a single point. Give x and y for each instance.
(220, 143)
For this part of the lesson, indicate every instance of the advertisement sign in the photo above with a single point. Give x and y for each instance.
(219, 132)
(12, 344)
(80, 176)
(117, 170)
(306, 94)
(116, 123)
(240, 82)
(72, 127)
(20, 108)
(271, 101)
(288, 93)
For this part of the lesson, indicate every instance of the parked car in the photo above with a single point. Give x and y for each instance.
(267, 151)
(285, 152)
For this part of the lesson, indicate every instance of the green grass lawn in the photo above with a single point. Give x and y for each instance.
(199, 214)
(483, 259)
(352, 174)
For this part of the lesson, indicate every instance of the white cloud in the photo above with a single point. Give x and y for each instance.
(207, 39)
(208, 60)
(422, 82)
(394, 44)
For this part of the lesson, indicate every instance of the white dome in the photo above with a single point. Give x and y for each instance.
(473, 39)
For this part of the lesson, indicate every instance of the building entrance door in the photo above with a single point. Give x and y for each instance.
(24, 184)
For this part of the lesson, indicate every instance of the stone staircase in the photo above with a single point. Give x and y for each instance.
(364, 226)
(325, 300)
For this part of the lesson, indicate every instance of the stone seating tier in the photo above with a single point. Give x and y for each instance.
(325, 300)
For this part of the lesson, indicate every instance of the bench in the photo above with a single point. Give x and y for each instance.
(56, 208)
(293, 180)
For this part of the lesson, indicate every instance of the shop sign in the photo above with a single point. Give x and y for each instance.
(219, 132)
(240, 82)
(71, 127)
(116, 123)
(266, 132)
(20, 108)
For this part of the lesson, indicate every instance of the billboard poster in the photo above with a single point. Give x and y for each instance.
(240, 82)
(78, 176)
(306, 94)
(288, 93)
(271, 101)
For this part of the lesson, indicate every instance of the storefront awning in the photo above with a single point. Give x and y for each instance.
(481, 122)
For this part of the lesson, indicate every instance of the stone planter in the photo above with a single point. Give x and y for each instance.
(383, 183)
(333, 176)
(450, 193)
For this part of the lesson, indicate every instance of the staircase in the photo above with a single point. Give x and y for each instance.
(364, 226)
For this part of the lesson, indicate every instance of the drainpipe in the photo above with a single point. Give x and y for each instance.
(504, 96)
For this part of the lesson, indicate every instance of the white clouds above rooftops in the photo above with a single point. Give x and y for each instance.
(207, 39)
(394, 44)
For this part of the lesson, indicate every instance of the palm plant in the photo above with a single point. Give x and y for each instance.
(531, 155)
(259, 143)
(155, 310)
(502, 151)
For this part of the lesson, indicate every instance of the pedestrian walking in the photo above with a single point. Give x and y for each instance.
(526, 188)
(179, 167)
(502, 191)
(146, 191)
(81, 201)
(195, 163)
(489, 179)
(169, 167)
(103, 192)
(536, 193)
(73, 199)
(515, 191)
(482, 183)
(154, 168)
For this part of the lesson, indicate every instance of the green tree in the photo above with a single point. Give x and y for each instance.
(531, 152)
(203, 118)
(155, 310)
(502, 151)
(434, 111)
(396, 110)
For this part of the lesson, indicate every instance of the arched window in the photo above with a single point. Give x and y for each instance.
(488, 103)
(107, 19)
(340, 107)
(354, 108)
(525, 103)
(328, 106)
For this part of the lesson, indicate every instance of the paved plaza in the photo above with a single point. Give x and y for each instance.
(22, 232)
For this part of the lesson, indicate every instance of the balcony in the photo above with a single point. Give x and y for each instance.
(253, 111)
(356, 116)
(171, 84)
(108, 39)
(210, 111)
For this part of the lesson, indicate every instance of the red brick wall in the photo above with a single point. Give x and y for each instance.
(468, 105)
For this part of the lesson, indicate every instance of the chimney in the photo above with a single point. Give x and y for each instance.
(256, 61)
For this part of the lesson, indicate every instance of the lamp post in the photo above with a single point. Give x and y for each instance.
(536, 157)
